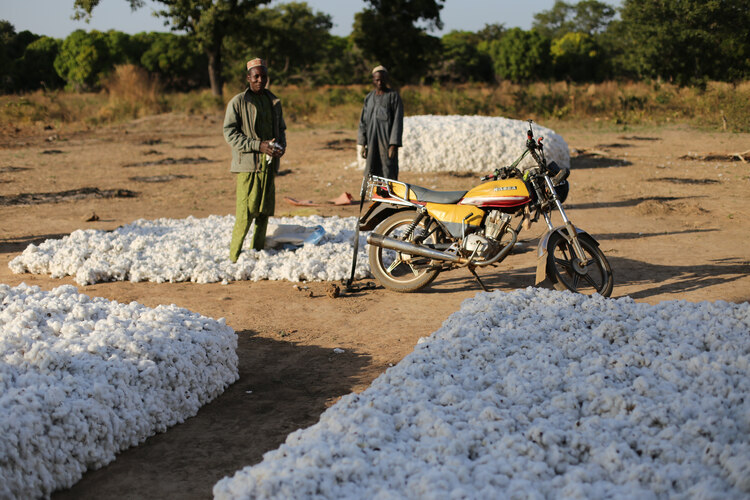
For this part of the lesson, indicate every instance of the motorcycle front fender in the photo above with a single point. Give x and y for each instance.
(541, 252)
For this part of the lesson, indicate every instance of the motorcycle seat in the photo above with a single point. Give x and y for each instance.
(429, 196)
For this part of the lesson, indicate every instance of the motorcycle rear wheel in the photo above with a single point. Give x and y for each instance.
(399, 271)
(565, 272)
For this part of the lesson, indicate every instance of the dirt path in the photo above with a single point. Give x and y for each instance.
(673, 229)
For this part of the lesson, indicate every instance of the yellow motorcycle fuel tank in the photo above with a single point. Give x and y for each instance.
(504, 193)
(453, 217)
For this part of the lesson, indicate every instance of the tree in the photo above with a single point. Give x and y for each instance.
(341, 64)
(7, 37)
(491, 32)
(175, 59)
(521, 55)
(207, 21)
(82, 59)
(12, 47)
(587, 16)
(291, 37)
(37, 66)
(575, 56)
(386, 33)
(687, 41)
(462, 60)
(581, 38)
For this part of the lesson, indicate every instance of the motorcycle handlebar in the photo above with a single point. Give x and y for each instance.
(500, 173)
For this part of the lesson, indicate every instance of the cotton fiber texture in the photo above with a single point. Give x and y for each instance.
(538, 394)
(83, 378)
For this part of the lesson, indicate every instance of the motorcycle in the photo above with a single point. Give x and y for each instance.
(417, 233)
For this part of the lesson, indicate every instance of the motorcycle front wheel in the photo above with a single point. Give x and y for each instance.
(565, 271)
(400, 271)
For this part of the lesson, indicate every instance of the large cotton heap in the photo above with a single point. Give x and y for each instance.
(192, 249)
(538, 394)
(476, 144)
(82, 379)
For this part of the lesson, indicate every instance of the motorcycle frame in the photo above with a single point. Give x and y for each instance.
(375, 182)
(539, 179)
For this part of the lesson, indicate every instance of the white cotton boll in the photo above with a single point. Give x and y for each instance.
(82, 379)
(191, 249)
(514, 397)
(476, 144)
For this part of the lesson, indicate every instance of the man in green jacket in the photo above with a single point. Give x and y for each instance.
(254, 127)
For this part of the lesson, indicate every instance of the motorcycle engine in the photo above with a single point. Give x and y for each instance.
(485, 245)
(479, 244)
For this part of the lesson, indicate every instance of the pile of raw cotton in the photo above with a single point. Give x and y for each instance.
(82, 379)
(192, 249)
(538, 394)
(476, 144)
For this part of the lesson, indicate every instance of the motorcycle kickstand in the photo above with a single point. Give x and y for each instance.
(481, 283)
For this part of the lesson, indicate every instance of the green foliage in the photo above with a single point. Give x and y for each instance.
(120, 48)
(12, 49)
(687, 41)
(387, 34)
(83, 59)
(521, 56)
(575, 57)
(208, 22)
(586, 16)
(462, 61)
(175, 59)
(341, 63)
(36, 68)
(291, 37)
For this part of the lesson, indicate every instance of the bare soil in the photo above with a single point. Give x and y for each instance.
(673, 226)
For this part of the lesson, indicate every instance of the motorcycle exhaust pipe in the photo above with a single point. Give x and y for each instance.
(379, 240)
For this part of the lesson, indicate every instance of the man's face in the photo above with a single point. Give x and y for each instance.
(257, 78)
(380, 80)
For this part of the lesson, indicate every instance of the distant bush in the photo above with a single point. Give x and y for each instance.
(131, 92)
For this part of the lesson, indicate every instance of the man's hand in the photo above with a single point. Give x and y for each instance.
(392, 150)
(364, 152)
(273, 152)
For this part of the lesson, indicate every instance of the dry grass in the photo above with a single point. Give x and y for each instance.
(130, 93)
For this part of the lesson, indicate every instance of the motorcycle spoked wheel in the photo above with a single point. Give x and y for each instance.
(396, 270)
(565, 272)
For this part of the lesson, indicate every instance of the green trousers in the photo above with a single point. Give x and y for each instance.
(254, 202)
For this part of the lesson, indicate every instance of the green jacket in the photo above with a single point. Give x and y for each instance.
(239, 132)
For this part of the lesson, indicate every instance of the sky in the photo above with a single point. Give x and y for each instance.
(52, 17)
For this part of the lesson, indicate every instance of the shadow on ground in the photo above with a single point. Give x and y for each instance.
(18, 245)
(674, 280)
(276, 378)
(589, 160)
(648, 280)
(627, 203)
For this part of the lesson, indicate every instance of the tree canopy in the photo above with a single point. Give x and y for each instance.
(586, 16)
(208, 21)
(687, 41)
(387, 34)
(682, 41)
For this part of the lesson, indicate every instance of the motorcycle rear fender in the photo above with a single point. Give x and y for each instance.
(541, 252)
(376, 213)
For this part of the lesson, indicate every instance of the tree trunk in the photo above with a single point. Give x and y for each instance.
(214, 70)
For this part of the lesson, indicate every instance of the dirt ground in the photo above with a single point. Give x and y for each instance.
(672, 228)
